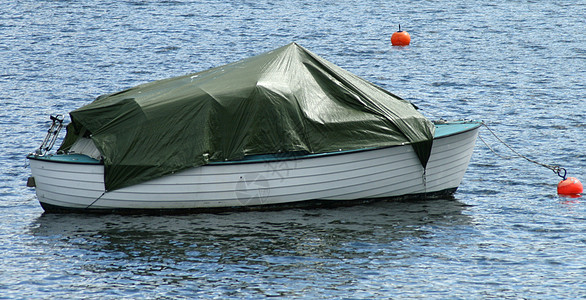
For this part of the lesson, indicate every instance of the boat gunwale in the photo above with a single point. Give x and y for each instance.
(264, 158)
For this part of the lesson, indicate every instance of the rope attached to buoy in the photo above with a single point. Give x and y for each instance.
(568, 186)
(556, 169)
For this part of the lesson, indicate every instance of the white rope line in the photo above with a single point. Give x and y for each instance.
(556, 169)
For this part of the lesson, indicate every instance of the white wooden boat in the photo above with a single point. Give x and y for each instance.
(75, 182)
(283, 128)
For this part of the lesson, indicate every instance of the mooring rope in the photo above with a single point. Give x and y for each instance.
(556, 169)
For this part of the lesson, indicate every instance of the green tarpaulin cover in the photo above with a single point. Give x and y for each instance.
(284, 100)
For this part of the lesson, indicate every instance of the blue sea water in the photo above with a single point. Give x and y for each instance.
(518, 65)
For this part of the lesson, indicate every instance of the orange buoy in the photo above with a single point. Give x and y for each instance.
(400, 38)
(570, 186)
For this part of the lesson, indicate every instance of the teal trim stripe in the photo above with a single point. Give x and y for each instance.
(69, 158)
(447, 129)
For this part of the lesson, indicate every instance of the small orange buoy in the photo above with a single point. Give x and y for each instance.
(570, 186)
(400, 38)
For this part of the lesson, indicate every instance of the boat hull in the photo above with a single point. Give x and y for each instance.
(326, 179)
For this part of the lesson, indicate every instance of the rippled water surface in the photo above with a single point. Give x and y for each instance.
(518, 65)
